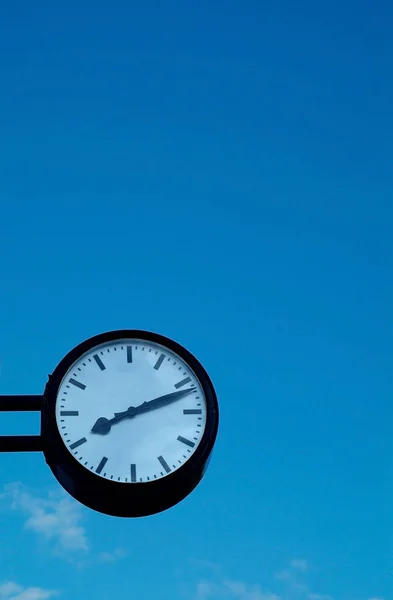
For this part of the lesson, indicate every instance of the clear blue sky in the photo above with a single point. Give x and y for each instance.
(221, 173)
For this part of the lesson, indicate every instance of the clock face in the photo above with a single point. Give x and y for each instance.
(131, 411)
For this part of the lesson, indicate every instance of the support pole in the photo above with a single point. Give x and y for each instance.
(20, 403)
(20, 443)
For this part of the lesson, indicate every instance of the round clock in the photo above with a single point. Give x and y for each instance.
(129, 421)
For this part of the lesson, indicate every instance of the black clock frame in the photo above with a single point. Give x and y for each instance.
(111, 497)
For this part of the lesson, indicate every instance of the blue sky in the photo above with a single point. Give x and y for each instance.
(220, 173)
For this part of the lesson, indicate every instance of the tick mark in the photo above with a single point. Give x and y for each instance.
(69, 413)
(185, 441)
(159, 362)
(192, 411)
(182, 382)
(129, 354)
(78, 443)
(133, 473)
(77, 383)
(102, 464)
(99, 362)
(164, 464)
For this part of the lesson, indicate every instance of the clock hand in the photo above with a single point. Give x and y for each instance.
(156, 403)
(103, 425)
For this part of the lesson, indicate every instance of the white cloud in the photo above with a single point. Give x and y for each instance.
(205, 589)
(57, 518)
(242, 591)
(13, 591)
(284, 574)
(231, 589)
(111, 557)
(213, 584)
(219, 586)
(300, 564)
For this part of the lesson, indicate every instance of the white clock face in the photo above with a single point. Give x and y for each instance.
(131, 411)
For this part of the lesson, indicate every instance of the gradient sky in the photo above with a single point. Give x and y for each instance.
(220, 173)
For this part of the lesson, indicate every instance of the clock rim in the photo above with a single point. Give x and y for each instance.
(122, 498)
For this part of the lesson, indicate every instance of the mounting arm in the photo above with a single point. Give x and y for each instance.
(20, 443)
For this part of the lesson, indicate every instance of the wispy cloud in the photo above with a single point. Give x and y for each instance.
(284, 575)
(290, 584)
(56, 518)
(291, 573)
(293, 579)
(217, 585)
(111, 557)
(13, 591)
(299, 563)
(229, 588)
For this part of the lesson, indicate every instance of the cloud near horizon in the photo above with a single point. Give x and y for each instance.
(56, 518)
(10, 590)
(291, 581)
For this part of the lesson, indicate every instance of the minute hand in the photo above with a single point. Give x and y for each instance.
(153, 404)
(103, 425)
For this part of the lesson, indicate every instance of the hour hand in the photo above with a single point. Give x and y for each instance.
(103, 425)
(127, 414)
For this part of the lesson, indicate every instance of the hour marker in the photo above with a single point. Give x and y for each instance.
(185, 441)
(78, 443)
(183, 382)
(69, 413)
(192, 411)
(129, 354)
(102, 464)
(164, 464)
(133, 473)
(99, 362)
(159, 361)
(77, 383)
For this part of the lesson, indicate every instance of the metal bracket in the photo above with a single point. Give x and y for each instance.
(20, 443)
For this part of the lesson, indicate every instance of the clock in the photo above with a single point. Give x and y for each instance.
(129, 420)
